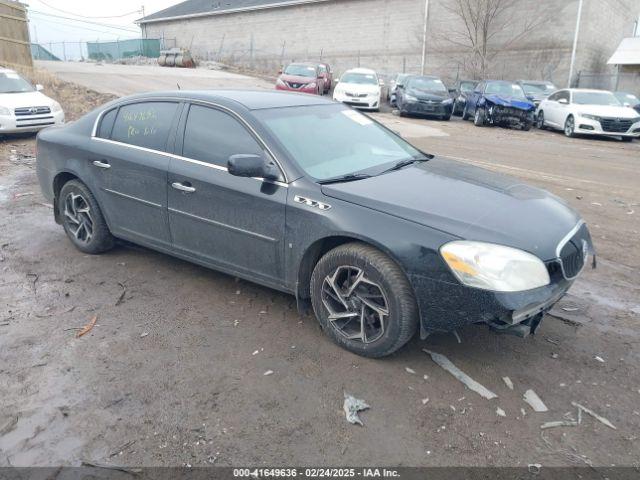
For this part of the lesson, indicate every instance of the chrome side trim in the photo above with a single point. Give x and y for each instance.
(224, 225)
(311, 203)
(130, 197)
(194, 101)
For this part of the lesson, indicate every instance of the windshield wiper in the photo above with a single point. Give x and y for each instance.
(351, 177)
(407, 162)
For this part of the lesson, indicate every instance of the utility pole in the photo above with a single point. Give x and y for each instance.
(424, 36)
(575, 44)
(143, 26)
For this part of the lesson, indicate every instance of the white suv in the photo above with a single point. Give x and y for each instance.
(360, 88)
(23, 108)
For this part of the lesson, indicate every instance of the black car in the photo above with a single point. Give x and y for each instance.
(501, 103)
(378, 237)
(424, 95)
(459, 94)
(536, 91)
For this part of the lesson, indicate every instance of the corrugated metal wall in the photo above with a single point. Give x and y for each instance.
(15, 47)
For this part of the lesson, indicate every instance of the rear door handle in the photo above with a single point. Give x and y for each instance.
(101, 164)
(183, 187)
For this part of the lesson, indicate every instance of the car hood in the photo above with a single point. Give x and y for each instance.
(357, 88)
(427, 95)
(508, 101)
(296, 78)
(26, 99)
(607, 111)
(467, 202)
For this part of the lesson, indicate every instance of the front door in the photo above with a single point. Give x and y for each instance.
(130, 160)
(234, 223)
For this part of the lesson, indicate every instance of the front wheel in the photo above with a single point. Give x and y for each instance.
(570, 127)
(82, 219)
(479, 118)
(540, 120)
(363, 300)
(465, 113)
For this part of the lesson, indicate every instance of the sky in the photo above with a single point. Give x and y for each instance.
(52, 22)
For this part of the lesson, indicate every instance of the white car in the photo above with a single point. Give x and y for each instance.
(588, 112)
(23, 108)
(360, 88)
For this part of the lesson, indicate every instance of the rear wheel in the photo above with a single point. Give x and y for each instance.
(570, 127)
(82, 219)
(465, 113)
(363, 300)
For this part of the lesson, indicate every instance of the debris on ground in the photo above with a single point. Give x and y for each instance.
(256, 352)
(132, 471)
(455, 333)
(554, 355)
(10, 425)
(87, 328)
(144, 334)
(507, 381)
(500, 412)
(122, 294)
(445, 363)
(534, 468)
(120, 450)
(588, 411)
(559, 423)
(534, 401)
(425, 401)
(552, 341)
(410, 370)
(351, 408)
(600, 359)
(267, 373)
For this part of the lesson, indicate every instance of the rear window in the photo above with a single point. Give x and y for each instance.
(146, 124)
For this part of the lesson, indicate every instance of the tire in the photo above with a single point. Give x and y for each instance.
(382, 283)
(465, 113)
(479, 117)
(626, 139)
(446, 118)
(526, 126)
(569, 127)
(540, 120)
(455, 109)
(82, 219)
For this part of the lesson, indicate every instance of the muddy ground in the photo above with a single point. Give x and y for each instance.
(169, 375)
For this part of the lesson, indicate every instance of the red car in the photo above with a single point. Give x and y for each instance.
(301, 77)
(327, 74)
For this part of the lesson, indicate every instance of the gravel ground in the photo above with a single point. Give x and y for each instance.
(173, 371)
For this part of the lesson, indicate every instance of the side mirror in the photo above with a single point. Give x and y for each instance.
(39, 87)
(400, 86)
(563, 101)
(280, 72)
(252, 165)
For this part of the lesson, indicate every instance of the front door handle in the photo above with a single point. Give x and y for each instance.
(101, 164)
(183, 187)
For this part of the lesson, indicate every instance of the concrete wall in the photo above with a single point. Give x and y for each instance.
(387, 35)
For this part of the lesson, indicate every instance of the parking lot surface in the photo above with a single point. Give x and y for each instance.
(172, 373)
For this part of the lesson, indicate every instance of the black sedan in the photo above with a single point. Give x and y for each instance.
(424, 95)
(378, 237)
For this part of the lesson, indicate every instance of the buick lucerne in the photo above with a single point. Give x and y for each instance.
(315, 199)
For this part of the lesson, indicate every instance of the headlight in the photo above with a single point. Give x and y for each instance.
(494, 267)
(590, 117)
(410, 98)
(311, 85)
(5, 111)
(56, 107)
(447, 101)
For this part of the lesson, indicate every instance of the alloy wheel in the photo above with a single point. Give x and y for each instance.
(357, 306)
(568, 127)
(540, 120)
(77, 217)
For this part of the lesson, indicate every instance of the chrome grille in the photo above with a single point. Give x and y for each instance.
(26, 111)
(616, 125)
(574, 251)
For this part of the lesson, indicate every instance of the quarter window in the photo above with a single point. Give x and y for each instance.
(145, 124)
(106, 124)
(212, 136)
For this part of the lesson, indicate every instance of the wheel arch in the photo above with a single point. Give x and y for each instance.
(59, 181)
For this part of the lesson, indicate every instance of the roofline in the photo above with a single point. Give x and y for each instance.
(275, 4)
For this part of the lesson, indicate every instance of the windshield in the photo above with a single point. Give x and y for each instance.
(533, 88)
(467, 86)
(11, 82)
(350, 141)
(359, 78)
(301, 70)
(629, 98)
(596, 98)
(505, 88)
(427, 84)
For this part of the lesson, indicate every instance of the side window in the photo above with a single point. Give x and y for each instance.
(106, 124)
(564, 94)
(554, 97)
(145, 124)
(479, 88)
(212, 136)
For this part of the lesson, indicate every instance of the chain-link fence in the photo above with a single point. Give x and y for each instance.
(99, 50)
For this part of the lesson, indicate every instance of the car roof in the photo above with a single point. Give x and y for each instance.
(366, 71)
(250, 99)
(536, 82)
(433, 77)
(587, 90)
(306, 64)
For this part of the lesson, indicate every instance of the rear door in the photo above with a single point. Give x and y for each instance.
(233, 223)
(131, 162)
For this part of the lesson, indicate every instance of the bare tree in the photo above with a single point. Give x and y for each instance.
(485, 27)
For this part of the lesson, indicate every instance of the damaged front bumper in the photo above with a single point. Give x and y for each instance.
(510, 116)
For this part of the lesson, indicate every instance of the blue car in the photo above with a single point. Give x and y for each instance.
(498, 102)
